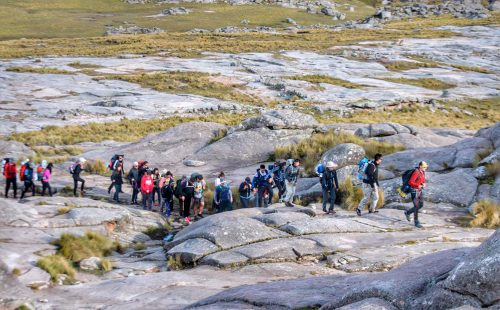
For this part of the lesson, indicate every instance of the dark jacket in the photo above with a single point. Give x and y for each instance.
(245, 192)
(188, 190)
(329, 179)
(261, 179)
(77, 171)
(371, 174)
(133, 174)
(167, 192)
(117, 177)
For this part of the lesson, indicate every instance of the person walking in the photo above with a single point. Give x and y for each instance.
(77, 170)
(187, 196)
(116, 161)
(329, 185)
(199, 202)
(291, 178)
(147, 190)
(245, 191)
(218, 179)
(10, 174)
(117, 181)
(370, 185)
(261, 183)
(133, 177)
(417, 184)
(28, 175)
(167, 193)
(47, 176)
(156, 188)
(224, 196)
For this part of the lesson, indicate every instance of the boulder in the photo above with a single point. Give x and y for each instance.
(382, 130)
(279, 119)
(345, 154)
(91, 263)
(457, 187)
(491, 133)
(192, 250)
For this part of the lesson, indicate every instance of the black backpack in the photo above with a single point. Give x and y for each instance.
(178, 188)
(406, 178)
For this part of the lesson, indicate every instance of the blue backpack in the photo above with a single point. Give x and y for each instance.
(224, 194)
(362, 165)
(319, 169)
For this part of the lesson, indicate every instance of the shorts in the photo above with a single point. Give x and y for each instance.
(198, 200)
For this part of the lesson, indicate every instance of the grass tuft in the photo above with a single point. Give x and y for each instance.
(56, 265)
(174, 263)
(139, 246)
(97, 167)
(41, 70)
(77, 248)
(429, 83)
(309, 151)
(16, 272)
(106, 265)
(486, 215)
(351, 195)
(317, 79)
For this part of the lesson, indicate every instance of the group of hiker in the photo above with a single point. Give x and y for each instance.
(161, 188)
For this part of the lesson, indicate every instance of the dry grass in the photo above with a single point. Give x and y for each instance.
(429, 83)
(197, 83)
(77, 248)
(317, 79)
(124, 131)
(351, 195)
(407, 65)
(139, 246)
(486, 112)
(486, 215)
(41, 70)
(473, 69)
(174, 263)
(158, 232)
(309, 151)
(97, 167)
(79, 65)
(56, 265)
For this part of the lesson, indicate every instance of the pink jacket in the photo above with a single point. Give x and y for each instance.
(46, 175)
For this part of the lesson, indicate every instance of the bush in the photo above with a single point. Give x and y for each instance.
(351, 195)
(174, 263)
(486, 214)
(139, 246)
(97, 167)
(55, 265)
(106, 265)
(309, 151)
(77, 248)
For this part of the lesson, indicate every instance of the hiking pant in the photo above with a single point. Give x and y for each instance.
(245, 202)
(10, 181)
(290, 191)
(271, 194)
(418, 203)
(329, 191)
(260, 197)
(215, 206)
(146, 201)
(156, 190)
(181, 207)
(111, 186)
(168, 204)
(118, 189)
(367, 192)
(45, 186)
(281, 188)
(27, 186)
(226, 206)
(187, 206)
(75, 181)
(135, 192)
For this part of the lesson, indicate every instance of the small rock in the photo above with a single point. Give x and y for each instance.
(91, 263)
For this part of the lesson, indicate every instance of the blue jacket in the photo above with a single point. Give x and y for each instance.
(260, 179)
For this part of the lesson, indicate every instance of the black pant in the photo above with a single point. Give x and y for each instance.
(281, 188)
(187, 206)
(261, 197)
(135, 192)
(10, 181)
(418, 203)
(156, 191)
(76, 180)
(245, 202)
(329, 191)
(146, 201)
(271, 194)
(46, 185)
(27, 186)
(111, 186)
(118, 189)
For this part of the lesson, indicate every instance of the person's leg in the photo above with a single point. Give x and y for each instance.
(110, 187)
(244, 202)
(25, 189)
(44, 187)
(367, 190)
(117, 191)
(49, 188)
(150, 201)
(181, 207)
(288, 193)
(332, 198)
(202, 206)
(271, 194)
(419, 205)
(187, 206)
(82, 187)
(325, 198)
(14, 185)
(143, 201)
(33, 188)
(261, 196)
(414, 200)
(7, 187)
(75, 186)
(375, 196)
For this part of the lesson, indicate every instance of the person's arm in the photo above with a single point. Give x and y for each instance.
(323, 180)
(336, 179)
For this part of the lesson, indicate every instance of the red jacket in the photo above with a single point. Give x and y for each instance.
(417, 178)
(147, 184)
(10, 171)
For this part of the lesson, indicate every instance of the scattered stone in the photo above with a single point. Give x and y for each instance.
(35, 278)
(175, 11)
(91, 263)
(131, 30)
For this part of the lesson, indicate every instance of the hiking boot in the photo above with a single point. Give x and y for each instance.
(418, 225)
(324, 210)
(374, 211)
(408, 218)
(358, 212)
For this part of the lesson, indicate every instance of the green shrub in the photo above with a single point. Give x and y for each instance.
(97, 167)
(106, 265)
(16, 272)
(309, 151)
(486, 214)
(77, 248)
(139, 246)
(317, 79)
(429, 83)
(57, 264)
(351, 195)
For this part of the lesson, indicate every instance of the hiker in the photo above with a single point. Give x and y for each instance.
(115, 162)
(26, 175)
(417, 184)
(260, 184)
(143, 169)
(156, 188)
(133, 177)
(167, 193)
(224, 196)
(245, 191)
(10, 174)
(39, 169)
(329, 185)
(186, 197)
(279, 178)
(146, 190)
(117, 181)
(370, 185)
(179, 186)
(47, 176)
(76, 169)
(218, 179)
(198, 201)
(291, 178)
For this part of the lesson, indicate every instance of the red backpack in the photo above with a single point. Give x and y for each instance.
(10, 170)
(21, 172)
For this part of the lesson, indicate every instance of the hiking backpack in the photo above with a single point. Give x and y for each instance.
(319, 169)
(22, 172)
(405, 187)
(39, 173)
(224, 194)
(9, 170)
(112, 162)
(178, 187)
(71, 169)
(362, 165)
